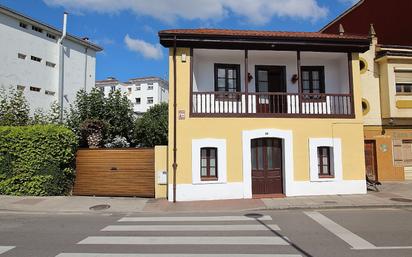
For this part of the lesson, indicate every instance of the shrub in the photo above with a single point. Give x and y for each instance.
(151, 129)
(118, 142)
(37, 160)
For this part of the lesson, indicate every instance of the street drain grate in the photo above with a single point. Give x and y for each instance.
(100, 207)
(331, 202)
(404, 200)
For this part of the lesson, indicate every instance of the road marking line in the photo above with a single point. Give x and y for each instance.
(172, 255)
(257, 227)
(205, 218)
(183, 240)
(4, 249)
(350, 238)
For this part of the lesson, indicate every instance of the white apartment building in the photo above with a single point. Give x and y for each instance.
(142, 92)
(46, 63)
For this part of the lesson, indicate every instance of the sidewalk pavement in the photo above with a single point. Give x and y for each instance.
(391, 195)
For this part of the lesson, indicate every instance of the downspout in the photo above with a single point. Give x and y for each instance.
(61, 66)
(174, 120)
(85, 69)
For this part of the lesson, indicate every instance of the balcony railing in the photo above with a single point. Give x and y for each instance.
(239, 104)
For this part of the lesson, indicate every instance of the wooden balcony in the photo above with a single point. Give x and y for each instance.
(267, 105)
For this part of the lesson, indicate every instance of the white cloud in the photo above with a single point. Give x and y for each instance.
(350, 2)
(150, 51)
(256, 11)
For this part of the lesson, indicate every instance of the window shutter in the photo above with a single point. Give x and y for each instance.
(407, 153)
(397, 152)
(403, 76)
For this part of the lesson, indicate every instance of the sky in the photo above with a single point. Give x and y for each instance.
(127, 29)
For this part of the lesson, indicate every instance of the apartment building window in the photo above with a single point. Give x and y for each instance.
(23, 25)
(227, 77)
(129, 90)
(150, 87)
(21, 56)
(138, 100)
(324, 162)
(20, 87)
(35, 89)
(138, 88)
(36, 59)
(150, 100)
(403, 80)
(47, 92)
(313, 79)
(208, 163)
(50, 64)
(35, 28)
(51, 36)
(112, 88)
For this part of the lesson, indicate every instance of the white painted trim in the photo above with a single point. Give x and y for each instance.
(287, 142)
(195, 192)
(220, 144)
(336, 145)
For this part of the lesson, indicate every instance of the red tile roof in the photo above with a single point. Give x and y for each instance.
(259, 34)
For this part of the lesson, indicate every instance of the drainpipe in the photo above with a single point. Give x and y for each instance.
(85, 69)
(61, 65)
(174, 120)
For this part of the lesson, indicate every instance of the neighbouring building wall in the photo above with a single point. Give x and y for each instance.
(42, 75)
(232, 138)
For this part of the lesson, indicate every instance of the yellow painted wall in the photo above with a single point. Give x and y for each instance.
(349, 130)
(160, 165)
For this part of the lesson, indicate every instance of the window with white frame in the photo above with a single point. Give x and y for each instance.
(138, 88)
(138, 100)
(403, 80)
(325, 159)
(23, 25)
(21, 56)
(209, 161)
(150, 87)
(150, 100)
(38, 29)
(36, 59)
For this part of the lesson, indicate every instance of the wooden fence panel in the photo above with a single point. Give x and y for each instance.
(115, 172)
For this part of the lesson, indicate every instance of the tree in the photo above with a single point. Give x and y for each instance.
(152, 128)
(115, 111)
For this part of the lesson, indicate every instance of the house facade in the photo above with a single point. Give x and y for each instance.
(386, 81)
(263, 114)
(142, 92)
(32, 62)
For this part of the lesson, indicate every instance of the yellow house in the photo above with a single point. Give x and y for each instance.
(263, 114)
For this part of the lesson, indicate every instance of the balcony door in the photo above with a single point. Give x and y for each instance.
(267, 178)
(272, 80)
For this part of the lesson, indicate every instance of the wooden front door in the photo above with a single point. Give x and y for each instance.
(270, 79)
(267, 166)
(370, 160)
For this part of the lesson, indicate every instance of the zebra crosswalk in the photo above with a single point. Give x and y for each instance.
(184, 236)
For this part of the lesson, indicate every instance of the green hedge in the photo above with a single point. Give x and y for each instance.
(36, 160)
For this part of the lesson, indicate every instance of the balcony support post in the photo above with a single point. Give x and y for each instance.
(350, 73)
(299, 73)
(246, 81)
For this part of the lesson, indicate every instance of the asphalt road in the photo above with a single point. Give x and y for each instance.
(291, 233)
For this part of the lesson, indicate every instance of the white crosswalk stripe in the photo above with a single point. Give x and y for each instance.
(4, 249)
(204, 218)
(183, 240)
(223, 232)
(171, 255)
(191, 227)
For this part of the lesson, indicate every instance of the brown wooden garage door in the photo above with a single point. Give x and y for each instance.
(106, 172)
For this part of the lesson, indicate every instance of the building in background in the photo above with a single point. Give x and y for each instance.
(142, 92)
(386, 79)
(30, 60)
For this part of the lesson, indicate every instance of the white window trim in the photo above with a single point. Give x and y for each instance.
(336, 145)
(220, 144)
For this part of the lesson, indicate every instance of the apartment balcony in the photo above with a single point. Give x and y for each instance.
(293, 105)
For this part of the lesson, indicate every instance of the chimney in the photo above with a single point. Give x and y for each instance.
(341, 30)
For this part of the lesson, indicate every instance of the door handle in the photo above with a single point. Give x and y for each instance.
(113, 169)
